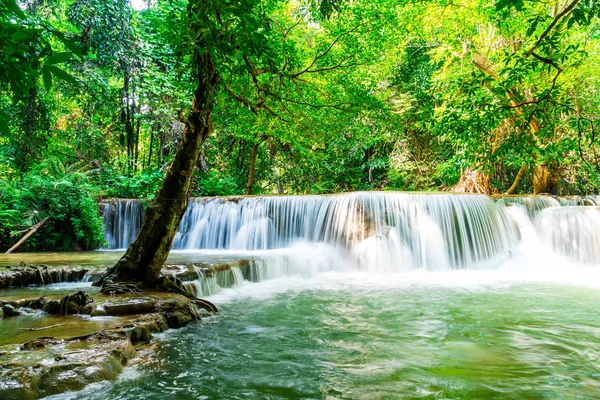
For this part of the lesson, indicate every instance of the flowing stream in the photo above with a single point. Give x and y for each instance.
(380, 295)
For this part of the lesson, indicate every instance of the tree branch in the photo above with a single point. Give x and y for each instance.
(323, 54)
(555, 21)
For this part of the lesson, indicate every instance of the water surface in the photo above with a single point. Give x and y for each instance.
(356, 336)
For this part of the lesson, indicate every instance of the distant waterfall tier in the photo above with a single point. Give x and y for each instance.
(534, 204)
(573, 232)
(122, 220)
(375, 230)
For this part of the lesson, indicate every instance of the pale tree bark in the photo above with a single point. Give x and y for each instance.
(515, 183)
(541, 179)
(542, 183)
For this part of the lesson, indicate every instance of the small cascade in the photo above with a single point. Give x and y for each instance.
(575, 201)
(210, 282)
(122, 220)
(23, 276)
(571, 231)
(532, 204)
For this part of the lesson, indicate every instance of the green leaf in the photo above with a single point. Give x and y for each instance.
(533, 26)
(61, 74)
(47, 78)
(58, 58)
(519, 4)
(69, 44)
(21, 35)
(14, 7)
(500, 4)
(4, 123)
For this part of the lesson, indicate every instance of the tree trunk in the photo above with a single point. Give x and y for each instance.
(146, 256)
(150, 150)
(541, 179)
(32, 230)
(517, 180)
(252, 167)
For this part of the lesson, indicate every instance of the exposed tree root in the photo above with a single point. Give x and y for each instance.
(473, 181)
(109, 287)
(175, 285)
(165, 283)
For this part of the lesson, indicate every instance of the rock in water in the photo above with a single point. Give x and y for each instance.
(77, 303)
(10, 311)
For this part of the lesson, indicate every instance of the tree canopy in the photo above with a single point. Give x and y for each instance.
(314, 97)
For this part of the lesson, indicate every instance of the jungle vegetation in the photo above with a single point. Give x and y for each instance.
(98, 99)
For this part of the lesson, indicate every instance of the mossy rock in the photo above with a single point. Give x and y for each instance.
(19, 384)
(10, 311)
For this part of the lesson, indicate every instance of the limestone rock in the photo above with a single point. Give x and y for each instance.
(130, 306)
(178, 311)
(98, 311)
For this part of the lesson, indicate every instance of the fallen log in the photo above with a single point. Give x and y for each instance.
(32, 230)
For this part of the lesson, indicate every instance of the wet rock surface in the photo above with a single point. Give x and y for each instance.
(46, 365)
(31, 275)
(10, 311)
(130, 306)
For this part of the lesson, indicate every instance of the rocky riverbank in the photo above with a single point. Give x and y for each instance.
(48, 365)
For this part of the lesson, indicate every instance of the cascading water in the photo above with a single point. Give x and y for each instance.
(534, 204)
(573, 232)
(379, 232)
(122, 220)
(382, 231)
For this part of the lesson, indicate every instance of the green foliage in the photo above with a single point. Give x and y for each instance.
(211, 184)
(141, 185)
(51, 190)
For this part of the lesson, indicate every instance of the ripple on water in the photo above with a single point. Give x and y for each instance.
(346, 341)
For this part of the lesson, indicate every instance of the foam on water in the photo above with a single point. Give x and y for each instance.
(531, 261)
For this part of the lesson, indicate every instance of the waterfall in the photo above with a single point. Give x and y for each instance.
(534, 204)
(122, 220)
(380, 232)
(377, 230)
(209, 283)
(573, 232)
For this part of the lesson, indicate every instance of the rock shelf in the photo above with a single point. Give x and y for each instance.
(50, 365)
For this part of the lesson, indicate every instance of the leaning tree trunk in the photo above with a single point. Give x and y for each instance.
(515, 183)
(146, 256)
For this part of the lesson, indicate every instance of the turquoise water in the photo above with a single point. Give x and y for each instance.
(356, 336)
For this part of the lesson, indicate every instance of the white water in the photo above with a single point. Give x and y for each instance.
(427, 236)
(572, 231)
(122, 220)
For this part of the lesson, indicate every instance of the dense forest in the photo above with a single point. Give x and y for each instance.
(469, 96)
